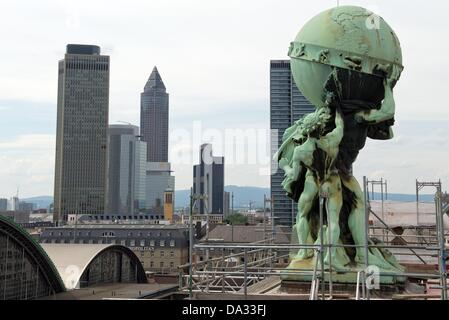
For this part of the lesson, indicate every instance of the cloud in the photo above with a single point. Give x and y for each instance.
(27, 163)
(214, 59)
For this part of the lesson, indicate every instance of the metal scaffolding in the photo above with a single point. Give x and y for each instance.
(237, 268)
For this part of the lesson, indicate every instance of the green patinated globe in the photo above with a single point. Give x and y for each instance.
(346, 37)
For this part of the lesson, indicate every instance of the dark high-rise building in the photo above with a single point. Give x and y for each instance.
(208, 180)
(3, 204)
(287, 105)
(82, 132)
(154, 118)
(126, 174)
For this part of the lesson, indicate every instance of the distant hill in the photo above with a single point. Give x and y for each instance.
(242, 197)
(41, 202)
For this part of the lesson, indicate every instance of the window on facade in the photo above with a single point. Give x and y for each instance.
(162, 264)
(132, 243)
(172, 253)
(151, 264)
(168, 198)
(172, 264)
(172, 243)
(123, 242)
(142, 243)
(162, 253)
(162, 243)
(152, 253)
(152, 243)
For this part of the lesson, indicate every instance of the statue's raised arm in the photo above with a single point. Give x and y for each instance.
(330, 142)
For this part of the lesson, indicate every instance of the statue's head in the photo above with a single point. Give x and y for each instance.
(348, 38)
(315, 122)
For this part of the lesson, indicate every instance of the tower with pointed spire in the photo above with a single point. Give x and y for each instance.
(154, 118)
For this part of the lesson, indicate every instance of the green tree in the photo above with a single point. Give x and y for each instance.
(236, 218)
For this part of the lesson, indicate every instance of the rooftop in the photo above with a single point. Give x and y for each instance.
(247, 234)
(154, 81)
(123, 226)
(83, 49)
(114, 291)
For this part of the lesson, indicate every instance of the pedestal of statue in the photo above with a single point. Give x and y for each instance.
(346, 276)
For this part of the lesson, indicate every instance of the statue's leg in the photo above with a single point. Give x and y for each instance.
(305, 203)
(357, 227)
(334, 203)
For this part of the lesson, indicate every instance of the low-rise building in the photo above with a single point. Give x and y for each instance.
(160, 248)
(213, 218)
(19, 217)
(259, 234)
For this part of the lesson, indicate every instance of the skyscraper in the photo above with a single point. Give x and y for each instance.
(159, 180)
(154, 118)
(208, 180)
(82, 132)
(126, 174)
(3, 204)
(14, 203)
(287, 105)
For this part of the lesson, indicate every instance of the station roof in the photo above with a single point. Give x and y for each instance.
(34, 250)
(71, 260)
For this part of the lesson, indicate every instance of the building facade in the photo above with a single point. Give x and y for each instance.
(287, 105)
(154, 118)
(208, 181)
(26, 206)
(158, 181)
(127, 170)
(19, 217)
(82, 132)
(160, 248)
(227, 203)
(14, 204)
(3, 204)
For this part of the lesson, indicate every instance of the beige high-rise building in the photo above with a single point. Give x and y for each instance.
(82, 132)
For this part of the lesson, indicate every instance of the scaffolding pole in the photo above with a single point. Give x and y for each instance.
(257, 264)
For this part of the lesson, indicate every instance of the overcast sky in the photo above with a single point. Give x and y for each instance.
(214, 59)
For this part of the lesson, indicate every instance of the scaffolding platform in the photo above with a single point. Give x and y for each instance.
(303, 271)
